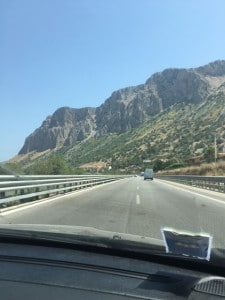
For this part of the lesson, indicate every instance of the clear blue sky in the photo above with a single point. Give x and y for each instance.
(75, 53)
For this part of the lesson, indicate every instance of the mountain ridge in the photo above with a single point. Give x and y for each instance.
(127, 108)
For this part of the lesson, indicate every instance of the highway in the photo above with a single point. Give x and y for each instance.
(134, 206)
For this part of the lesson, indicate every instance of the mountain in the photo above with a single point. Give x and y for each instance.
(128, 108)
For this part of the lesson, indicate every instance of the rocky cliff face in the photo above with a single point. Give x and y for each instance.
(128, 107)
(216, 68)
(63, 128)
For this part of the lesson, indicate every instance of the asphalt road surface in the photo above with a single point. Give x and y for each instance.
(133, 206)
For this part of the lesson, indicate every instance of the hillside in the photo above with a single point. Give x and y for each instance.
(181, 132)
(171, 118)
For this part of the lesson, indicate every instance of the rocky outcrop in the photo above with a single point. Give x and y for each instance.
(179, 85)
(216, 68)
(64, 127)
(128, 107)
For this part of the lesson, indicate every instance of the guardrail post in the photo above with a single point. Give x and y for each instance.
(2, 195)
(36, 191)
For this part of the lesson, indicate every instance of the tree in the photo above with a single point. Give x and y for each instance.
(54, 165)
(158, 165)
(11, 169)
(209, 154)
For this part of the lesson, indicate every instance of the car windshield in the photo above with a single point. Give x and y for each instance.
(112, 119)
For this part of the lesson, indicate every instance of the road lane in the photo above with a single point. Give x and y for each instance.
(133, 206)
(105, 207)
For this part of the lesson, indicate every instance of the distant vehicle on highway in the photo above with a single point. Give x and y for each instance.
(148, 174)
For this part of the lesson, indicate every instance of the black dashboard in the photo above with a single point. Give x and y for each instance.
(51, 271)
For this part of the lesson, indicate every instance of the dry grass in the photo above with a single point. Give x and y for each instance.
(31, 156)
(210, 169)
(94, 165)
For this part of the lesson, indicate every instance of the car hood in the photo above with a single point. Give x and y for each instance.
(81, 235)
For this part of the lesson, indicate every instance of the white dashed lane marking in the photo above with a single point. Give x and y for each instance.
(138, 201)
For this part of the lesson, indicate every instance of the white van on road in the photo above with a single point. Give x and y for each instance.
(148, 174)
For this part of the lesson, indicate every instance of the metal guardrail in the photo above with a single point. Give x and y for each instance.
(215, 183)
(17, 190)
